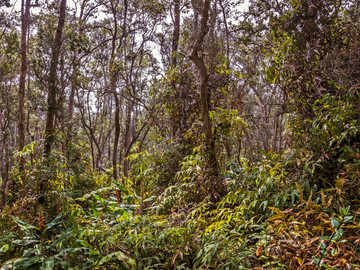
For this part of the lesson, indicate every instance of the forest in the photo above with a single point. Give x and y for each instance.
(180, 134)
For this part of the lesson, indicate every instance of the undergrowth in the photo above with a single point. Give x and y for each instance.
(292, 210)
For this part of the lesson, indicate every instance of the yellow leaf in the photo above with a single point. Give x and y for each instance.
(329, 202)
(299, 261)
(323, 201)
(301, 195)
(276, 210)
(258, 250)
(310, 197)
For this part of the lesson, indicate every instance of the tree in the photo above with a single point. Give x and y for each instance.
(25, 14)
(9, 59)
(52, 90)
(114, 70)
(50, 129)
(215, 184)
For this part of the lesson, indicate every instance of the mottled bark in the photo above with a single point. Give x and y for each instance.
(175, 117)
(129, 134)
(4, 169)
(52, 105)
(117, 134)
(114, 78)
(176, 33)
(215, 184)
(25, 14)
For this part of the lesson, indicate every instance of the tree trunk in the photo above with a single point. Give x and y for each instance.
(52, 106)
(113, 80)
(176, 33)
(117, 133)
(25, 14)
(74, 86)
(214, 183)
(175, 117)
(4, 170)
(129, 135)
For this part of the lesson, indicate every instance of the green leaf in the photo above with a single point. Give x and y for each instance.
(9, 265)
(83, 243)
(28, 262)
(121, 257)
(64, 264)
(323, 245)
(324, 237)
(63, 237)
(4, 248)
(125, 215)
(48, 264)
(30, 251)
(335, 222)
(347, 219)
(337, 235)
(23, 224)
(72, 250)
(325, 252)
(106, 258)
(25, 242)
(74, 223)
(56, 221)
(344, 211)
(95, 213)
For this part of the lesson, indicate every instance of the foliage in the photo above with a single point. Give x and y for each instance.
(328, 145)
(184, 135)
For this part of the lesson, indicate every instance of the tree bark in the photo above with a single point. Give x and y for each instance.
(129, 135)
(215, 185)
(52, 105)
(175, 117)
(4, 170)
(74, 84)
(117, 134)
(176, 33)
(113, 80)
(25, 14)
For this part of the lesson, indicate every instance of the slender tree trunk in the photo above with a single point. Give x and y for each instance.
(175, 117)
(227, 35)
(74, 85)
(117, 133)
(176, 33)
(215, 185)
(25, 14)
(4, 170)
(113, 79)
(52, 106)
(128, 136)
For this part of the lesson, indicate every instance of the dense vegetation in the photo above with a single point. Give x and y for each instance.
(180, 134)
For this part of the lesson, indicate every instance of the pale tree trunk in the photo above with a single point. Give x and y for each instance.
(25, 14)
(4, 169)
(74, 85)
(176, 33)
(214, 182)
(175, 117)
(52, 105)
(51, 100)
(129, 135)
(117, 134)
(113, 81)
(227, 34)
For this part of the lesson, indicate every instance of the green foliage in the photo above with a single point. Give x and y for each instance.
(37, 251)
(328, 148)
